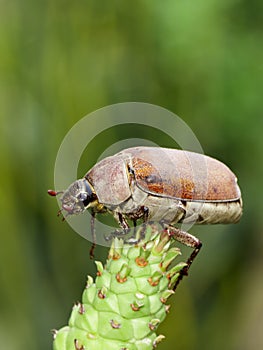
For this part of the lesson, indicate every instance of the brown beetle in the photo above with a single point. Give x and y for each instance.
(158, 184)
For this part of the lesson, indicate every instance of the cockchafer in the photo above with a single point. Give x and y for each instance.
(158, 184)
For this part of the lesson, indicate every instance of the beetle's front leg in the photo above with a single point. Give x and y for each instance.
(188, 240)
(93, 234)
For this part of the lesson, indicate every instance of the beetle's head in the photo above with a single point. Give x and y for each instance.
(77, 198)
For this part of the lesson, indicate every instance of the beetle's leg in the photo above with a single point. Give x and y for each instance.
(60, 213)
(141, 213)
(121, 221)
(145, 217)
(145, 213)
(134, 226)
(93, 234)
(182, 236)
(188, 240)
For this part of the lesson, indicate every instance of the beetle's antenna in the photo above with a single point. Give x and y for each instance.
(54, 193)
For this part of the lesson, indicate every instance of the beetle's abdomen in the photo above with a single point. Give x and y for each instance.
(212, 212)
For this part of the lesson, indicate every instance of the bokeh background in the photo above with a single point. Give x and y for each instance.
(61, 60)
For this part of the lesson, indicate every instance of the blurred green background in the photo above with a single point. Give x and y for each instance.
(61, 60)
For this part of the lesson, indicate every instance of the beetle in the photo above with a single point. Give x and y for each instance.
(158, 184)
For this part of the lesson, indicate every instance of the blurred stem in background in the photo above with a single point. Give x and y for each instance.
(59, 61)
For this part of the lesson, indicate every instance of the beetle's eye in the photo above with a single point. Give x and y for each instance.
(82, 196)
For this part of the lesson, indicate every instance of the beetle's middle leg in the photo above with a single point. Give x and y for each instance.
(121, 220)
(141, 213)
(188, 240)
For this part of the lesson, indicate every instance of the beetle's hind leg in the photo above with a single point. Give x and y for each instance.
(188, 240)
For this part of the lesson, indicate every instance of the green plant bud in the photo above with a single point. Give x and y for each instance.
(123, 307)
